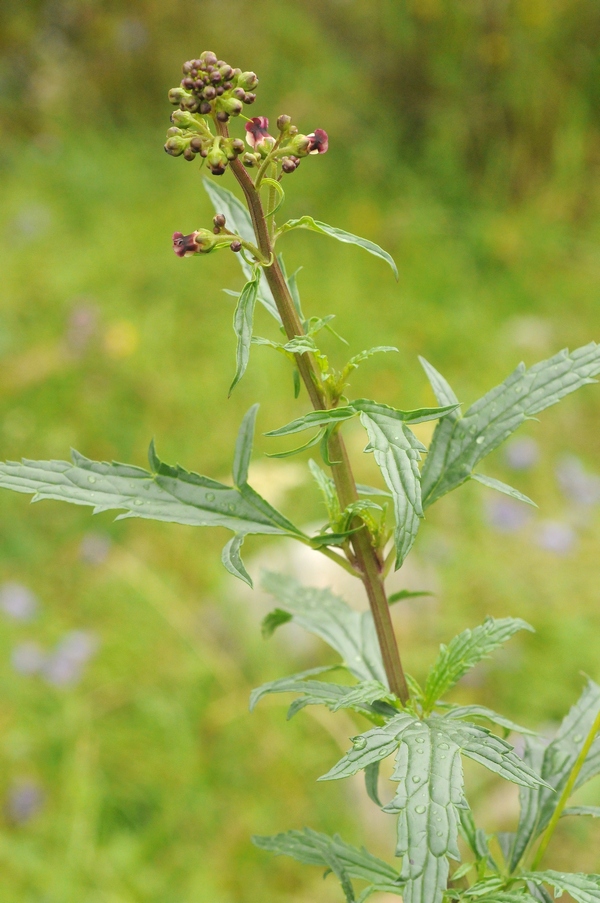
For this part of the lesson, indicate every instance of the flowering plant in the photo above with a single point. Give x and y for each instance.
(369, 531)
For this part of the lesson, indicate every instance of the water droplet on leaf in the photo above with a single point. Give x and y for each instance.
(359, 743)
(439, 833)
(420, 739)
(420, 809)
(480, 440)
(138, 502)
(577, 738)
(444, 746)
(210, 496)
(91, 479)
(416, 779)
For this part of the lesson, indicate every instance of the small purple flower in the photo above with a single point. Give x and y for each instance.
(28, 657)
(94, 548)
(185, 245)
(65, 665)
(319, 142)
(507, 515)
(578, 486)
(18, 602)
(555, 536)
(257, 133)
(522, 453)
(24, 801)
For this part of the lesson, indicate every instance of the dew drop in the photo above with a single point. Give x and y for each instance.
(358, 658)
(577, 738)
(480, 440)
(444, 746)
(359, 743)
(438, 818)
(440, 833)
(91, 479)
(418, 724)
(210, 496)
(419, 739)
(416, 779)
(518, 389)
(231, 507)
(442, 757)
(420, 809)
(420, 752)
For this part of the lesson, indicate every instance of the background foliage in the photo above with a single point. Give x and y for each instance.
(464, 138)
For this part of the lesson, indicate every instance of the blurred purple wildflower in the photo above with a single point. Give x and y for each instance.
(17, 601)
(81, 326)
(507, 515)
(94, 548)
(24, 800)
(65, 665)
(28, 657)
(555, 536)
(522, 453)
(576, 484)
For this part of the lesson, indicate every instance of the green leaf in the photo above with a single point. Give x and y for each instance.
(273, 620)
(334, 696)
(481, 711)
(332, 539)
(307, 222)
(243, 447)
(243, 319)
(350, 633)
(362, 356)
(314, 440)
(327, 487)
(406, 594)
(499, 486)
(583, 888)
(460, 443)
(592, 811)
(280, 685)
(371, 783)
(232, 560)
(465, 651)
(301, 344)
(555, 762)
(372, 490)
(314, 418)
(420, 415)
(238, 221)
(397, 452)
(332, 853)
(169, 494)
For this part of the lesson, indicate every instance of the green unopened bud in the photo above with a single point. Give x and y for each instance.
(188, 154)
(186, 120)
(190, 103)
(299, 145)
(230, 105)
(209, 57)
(217, 159)
(175, 145)
(250, 160)
(173, 131)
(247, 80)
(284, 122)
(177, 96)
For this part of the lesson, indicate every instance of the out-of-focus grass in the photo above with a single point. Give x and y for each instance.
(148, 776)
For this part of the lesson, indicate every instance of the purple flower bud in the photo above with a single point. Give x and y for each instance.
(188, 154)
(205, 108)
(18, 602)
(238, 145)
(177, 95)
(209, 93)
(231, 105)
(184, 245)
(319, 142)
(249, 98)
(284, 122)
(236, 246)
(219, 220)
(257, 131)
(208, 58)
(290, 164)
(248, 80)
(222, 116)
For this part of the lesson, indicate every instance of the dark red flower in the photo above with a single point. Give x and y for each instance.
(185, 245)
(257, 132)
(319, 142)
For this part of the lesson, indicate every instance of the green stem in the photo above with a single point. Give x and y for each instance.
(568, 789)
(367, 559)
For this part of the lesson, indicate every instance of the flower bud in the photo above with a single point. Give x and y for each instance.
(249, 98)
(284, 122)
(175, 145)
(184, 120)
(250, 160)
(173, 131)
(198, 143)
(238, 145)
(231, 105)
(219, 220)
(247, 80)
(239, 93)
(190, 103)
(299, 145)
(208, 58)
(236, 246)
(319, 142)
(216, 160)
(205, 108)
(289, 164)
(177, 96)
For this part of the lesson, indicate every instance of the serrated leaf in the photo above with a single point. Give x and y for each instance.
(481, 711)
(302, 344)
(243, 447)
(499, 486)
(539, 893)
(370, 746)
(372, 490)
(273, 620)
(460, 443)
(350, 633)
(169, 494)
(583, 888)
(327, 487)
(232, 559)
(591, 811)
(555, 762)
(307, 222)
(238, 221)
(243, 320)
(312, 848)
(357, 359)
(280, 685)
(314, 418)
(407, 594)
(465, 651)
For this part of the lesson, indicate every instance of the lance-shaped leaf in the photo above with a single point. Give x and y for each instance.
(555, 762)
(481, 711)
(317, 692)
(504, 488)
(397, 452)
(333, 854)
(243, 319)
(327, 487)
(243, 447)
(239, 222)
(166, 494)
(464, 651)
(314, 418)
(350, 633)
(590, 811)
(232, 559)
(307, 222)
(460, 443)
(583, 888)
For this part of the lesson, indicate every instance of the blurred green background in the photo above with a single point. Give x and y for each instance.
(465, 138)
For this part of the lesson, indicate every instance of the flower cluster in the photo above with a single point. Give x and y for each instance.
(210, 85)
(189, 136)
(288, 148)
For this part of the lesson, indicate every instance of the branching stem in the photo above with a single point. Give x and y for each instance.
(367, 559)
